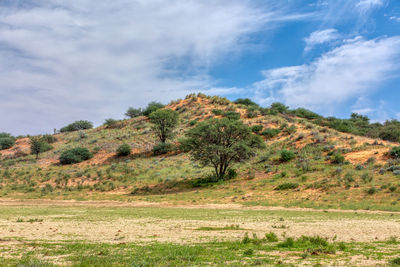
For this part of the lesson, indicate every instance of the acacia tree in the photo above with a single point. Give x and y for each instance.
(220, 143)
(39, 145)
(164, 122)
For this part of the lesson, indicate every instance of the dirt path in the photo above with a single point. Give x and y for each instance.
(148, 228)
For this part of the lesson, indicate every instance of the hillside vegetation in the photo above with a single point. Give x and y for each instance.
(308, 160)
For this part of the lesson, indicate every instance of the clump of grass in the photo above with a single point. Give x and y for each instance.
(287, 186)
(312, 245)
(395, 261)
(271, 237)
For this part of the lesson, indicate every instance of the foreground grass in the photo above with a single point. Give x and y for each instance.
(311, 251)
(272, 247)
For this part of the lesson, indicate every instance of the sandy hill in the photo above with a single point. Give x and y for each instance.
(366, 179)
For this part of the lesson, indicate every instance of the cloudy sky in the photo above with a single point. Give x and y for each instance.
(61, 61)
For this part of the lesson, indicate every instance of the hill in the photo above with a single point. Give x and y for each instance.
(317, 176)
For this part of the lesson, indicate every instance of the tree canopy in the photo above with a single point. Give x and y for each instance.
(220, 143)
(164, 122)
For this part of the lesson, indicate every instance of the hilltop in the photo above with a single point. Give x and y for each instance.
(330, 168)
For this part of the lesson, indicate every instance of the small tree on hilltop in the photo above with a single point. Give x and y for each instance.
(133, 112)
(220, 143)
(164, 122)
(39, 145)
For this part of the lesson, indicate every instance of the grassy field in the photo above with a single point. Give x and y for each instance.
(45, 233)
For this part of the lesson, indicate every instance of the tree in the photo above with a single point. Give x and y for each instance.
(133, 112)
(77, 126)
(220, 143)
(39, 145)
(151, 107)
(164, 122)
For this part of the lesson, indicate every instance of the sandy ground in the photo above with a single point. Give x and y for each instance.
(185, 231)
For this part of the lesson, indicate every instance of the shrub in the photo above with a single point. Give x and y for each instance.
(123, 150)
(287, 155)
(162, 148)
(269, 133)
(151, 107)
(371, 191)
(395, 261)
(271, 237)
(76, 126)
(49, 138)
(218, 112)
(287, 186)
(337, 159)
(305, 113)
(75, 155)
(6, 142)
(245, 101)
(252, 112)
(133, 112)
(256, 128)
(395, 152)
(232, 115)
(111, 123)
(232, 174)
(279, 107)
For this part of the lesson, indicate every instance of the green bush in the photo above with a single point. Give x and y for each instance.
(110, 123)
(395, 262)
(371, 191)
(133, 112)
(76, 126)
(337, 158)
(245, 101)
(124, 150)
(162, 148)
(256, 128)
(269, 133)
(6, 142)
(218, 112)
(395, 152)
(305, 113)
(279, 107)
(232, 174)
(287, 186)
(49, 138)
(151, 107)
(271, 237)
(75, 155)
(287, 155)
(232, 115)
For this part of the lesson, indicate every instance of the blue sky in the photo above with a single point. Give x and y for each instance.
(62, 61)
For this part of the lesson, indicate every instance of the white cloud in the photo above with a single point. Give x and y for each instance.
(67, 60)
(394, 18)
(354, 69)
(366, 5)
(320, 37)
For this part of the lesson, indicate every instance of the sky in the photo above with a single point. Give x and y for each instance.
(62, 61)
